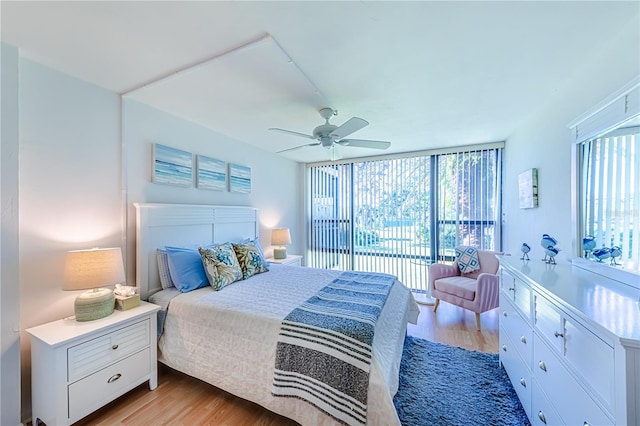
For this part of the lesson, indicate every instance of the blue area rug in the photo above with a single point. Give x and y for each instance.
(446, 385)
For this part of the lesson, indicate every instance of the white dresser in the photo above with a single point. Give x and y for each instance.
(570, 343)
(77, 367)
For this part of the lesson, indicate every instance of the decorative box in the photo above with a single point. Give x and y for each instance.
(127, 302)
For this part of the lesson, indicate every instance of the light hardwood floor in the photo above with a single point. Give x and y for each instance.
(183, 400)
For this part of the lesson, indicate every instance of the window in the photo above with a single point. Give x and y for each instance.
(611, 201)
(607, 184)
(398, 215)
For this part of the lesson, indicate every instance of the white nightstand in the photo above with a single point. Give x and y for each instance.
(77, 367)
(291, 259)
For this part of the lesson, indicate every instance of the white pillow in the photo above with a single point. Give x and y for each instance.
(163, 269)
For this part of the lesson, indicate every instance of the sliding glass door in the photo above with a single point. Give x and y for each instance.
(399, 215)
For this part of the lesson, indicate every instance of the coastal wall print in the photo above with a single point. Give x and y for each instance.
(172, 166)
(211, 173)
(239, 179)
(528, 188)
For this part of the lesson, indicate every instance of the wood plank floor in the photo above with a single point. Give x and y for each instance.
(184, 400)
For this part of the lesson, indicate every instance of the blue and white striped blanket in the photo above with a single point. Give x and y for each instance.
(323, 354)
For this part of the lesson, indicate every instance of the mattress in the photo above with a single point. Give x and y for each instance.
(228, 339)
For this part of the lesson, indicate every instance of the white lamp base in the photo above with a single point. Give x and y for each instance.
(279, 253)
(94, 304)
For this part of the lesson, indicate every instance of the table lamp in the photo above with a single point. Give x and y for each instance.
(92, 269)
(280, 237)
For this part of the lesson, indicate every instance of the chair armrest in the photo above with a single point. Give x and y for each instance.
(487, 292)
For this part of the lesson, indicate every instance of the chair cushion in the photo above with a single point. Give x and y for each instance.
(467, 259)
(458, 286)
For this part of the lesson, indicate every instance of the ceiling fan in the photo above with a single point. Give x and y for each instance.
(331, 136)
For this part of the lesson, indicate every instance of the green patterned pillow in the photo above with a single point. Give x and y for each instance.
(251, 260)
(221, 265)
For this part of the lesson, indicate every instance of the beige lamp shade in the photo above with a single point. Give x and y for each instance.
(86, 269)
(280, 237)
(92, 269)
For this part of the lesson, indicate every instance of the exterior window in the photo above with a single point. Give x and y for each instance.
(610, 194)
(399, 215)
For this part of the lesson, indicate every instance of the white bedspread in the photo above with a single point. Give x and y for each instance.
(228, 339)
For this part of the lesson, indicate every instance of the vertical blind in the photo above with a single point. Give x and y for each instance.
(610, 190)
(392, 215)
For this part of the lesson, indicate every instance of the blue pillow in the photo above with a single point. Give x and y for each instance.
(185, 268)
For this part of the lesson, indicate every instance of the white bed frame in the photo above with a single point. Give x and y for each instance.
(184, 225)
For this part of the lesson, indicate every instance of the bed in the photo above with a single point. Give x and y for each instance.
(228, 338)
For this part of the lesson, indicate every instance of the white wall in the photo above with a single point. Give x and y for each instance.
(543, 141)
(72, 191)
(69, 189)
(9, 277)
(277, 184)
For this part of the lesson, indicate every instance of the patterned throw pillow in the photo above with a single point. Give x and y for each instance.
(251, 260)
(221, 265)
(467, 258)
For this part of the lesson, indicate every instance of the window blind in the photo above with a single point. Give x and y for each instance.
(395, 215)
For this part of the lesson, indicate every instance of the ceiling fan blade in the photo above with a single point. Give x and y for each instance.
(364, 143)
(351, 125)
(289, 132)
(298, 147)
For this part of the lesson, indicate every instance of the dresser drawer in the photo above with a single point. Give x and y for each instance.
(522, 298)
(517, 371)
(570, 399)
(542, 411)
(517, 329)
(549, 322)
(87, 357)
(507, 284)
(93, 391)
(593, 358)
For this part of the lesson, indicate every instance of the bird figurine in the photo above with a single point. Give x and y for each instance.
(552, 252)
(525, 249)
(588, 244)
(616, 251)
(602, 253)
(546, 242)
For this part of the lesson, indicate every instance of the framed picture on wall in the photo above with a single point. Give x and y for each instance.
(211, 173)
(239, 179)
(528, 188)
(172, 166)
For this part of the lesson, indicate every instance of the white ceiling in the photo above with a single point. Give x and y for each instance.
(424, 74)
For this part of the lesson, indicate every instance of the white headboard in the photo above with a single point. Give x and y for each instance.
(184, 225)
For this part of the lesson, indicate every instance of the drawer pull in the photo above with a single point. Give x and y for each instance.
(504, 348)
(114, 378)
(542, 366)
(523, 339)
(512, 289)
(542, 418)
(114, 347)
(555, 333)
(505, 313)
(523, 382)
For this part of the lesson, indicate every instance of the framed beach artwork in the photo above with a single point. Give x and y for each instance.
(172, 166)
(528, 189)
(211, 173)
(239, 178)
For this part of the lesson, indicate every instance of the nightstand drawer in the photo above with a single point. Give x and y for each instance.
(87, 357)
(93, 391)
